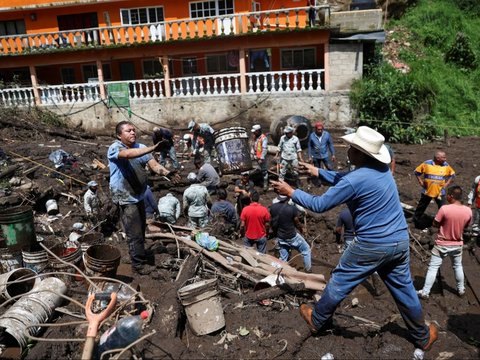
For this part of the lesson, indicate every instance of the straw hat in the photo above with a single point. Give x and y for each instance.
(369, 142)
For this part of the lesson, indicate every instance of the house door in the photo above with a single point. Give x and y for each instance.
(127, 70)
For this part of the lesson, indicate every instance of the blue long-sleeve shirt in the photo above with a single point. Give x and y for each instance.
(372, 197)
(319, 147)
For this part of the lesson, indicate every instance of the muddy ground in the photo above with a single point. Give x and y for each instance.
(372, 329)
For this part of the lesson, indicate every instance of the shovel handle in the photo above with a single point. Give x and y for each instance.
(88, 348)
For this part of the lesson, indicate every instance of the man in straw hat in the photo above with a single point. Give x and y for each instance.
(381, 244)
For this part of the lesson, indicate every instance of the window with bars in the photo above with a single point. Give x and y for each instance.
(202, 9)
(298, 58)
(12, 27)
(68, 75)
(142, 15)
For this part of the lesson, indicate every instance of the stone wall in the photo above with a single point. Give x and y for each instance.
(222, 111)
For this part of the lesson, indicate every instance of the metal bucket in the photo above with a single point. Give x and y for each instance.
(203, 306)
(36, 261)
(18, 230)
(90, 239)
(52, 207)
(101, 260)
(10, 260)
(233, 150)
(71, 256)
(13, 284)
(35, 307)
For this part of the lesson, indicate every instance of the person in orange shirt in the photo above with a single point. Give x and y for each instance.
(433, 176)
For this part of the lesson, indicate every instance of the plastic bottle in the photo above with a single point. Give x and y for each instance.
(122, 334)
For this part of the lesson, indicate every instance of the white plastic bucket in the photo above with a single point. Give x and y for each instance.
(36, 261)
(10, 260)
(203, 306)
(52, 207)
(34, 308)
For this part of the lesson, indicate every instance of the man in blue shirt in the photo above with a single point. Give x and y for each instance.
(381, 243)
(224, 211)
(128, 184)
(320, 147)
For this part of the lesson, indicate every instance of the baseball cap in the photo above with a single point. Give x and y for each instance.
(186, 137)
(92, 183)
(245, 173)
(78, 227)
(318, 125)
(288, 129)
(191, 125)
(282, 198)
(192, 177)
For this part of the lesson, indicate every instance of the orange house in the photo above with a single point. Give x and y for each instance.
(63, 51)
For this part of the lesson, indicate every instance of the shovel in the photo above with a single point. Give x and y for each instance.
(94, 320)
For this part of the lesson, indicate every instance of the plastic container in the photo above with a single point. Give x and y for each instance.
(52, 207)
(122, 334)
(35, 260)
(203, 306)
(87, 240)
(233, 150)
(71, 256)
(33, 308)
(101, 260)
(18, 230)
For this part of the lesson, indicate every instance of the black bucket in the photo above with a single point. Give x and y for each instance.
(233, 150)
(18, 229)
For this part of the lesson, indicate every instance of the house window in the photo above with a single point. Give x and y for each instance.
(203, 9)
(12, 27)
(189, 66)
(148, 15)
(68, 75)
(90, 72)
(220, 64)
(298, 58)
(152, 68)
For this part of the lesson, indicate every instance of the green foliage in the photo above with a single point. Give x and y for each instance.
(470, 6)
(394, 104)
(461, 54)
(444, 74)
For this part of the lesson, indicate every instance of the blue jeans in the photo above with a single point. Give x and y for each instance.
(260, 243)
(392, 262)
(298, 243)
(173, 156)
(318, 163)
(438, 253)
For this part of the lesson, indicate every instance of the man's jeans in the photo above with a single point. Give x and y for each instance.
(438, 254)
(392, 262)
(173, 156)
(260, 243)
(198, 222)
(298, 243)
(288, 166)
(133, 219)
(423, 205)
(327, 162)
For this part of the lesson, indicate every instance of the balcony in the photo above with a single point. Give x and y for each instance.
(304, 81)
(184, 29)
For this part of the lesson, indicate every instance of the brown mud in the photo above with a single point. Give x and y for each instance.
(371, 329)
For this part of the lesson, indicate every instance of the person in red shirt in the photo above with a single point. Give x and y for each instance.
(451, 219)
(255, 224)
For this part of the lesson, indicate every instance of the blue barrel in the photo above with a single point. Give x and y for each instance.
(18, 230)
(233, 150)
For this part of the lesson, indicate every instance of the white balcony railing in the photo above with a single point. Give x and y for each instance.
(182, 29)
(194, 86)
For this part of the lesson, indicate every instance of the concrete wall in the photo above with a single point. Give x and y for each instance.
(331, 107)
(360, 20)
(345, 64)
